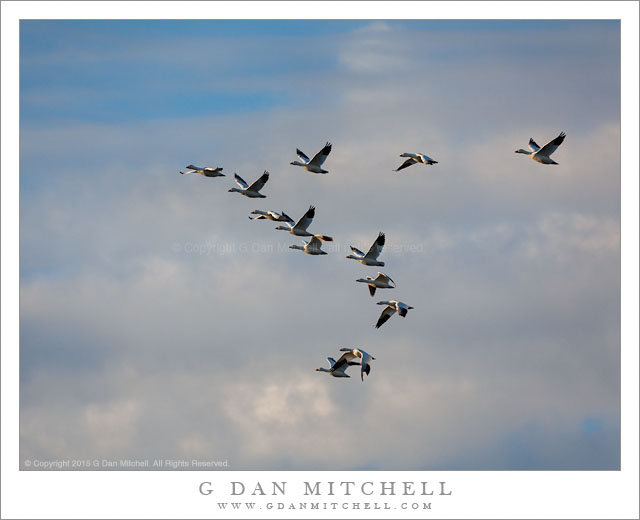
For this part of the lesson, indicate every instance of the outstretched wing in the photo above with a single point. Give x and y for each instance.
(306, 219)
(342, 363)
(376, 248)
(286, 218)
(533, 145)
(320, 157)
(357, 251)
(332, 361)
(386, 314)
(302, 156)
(257, 185)
(366, 368)
(406, 164)
(551, 146)
(347, 357)
(314, 244)
(384, 278)
(240, 181)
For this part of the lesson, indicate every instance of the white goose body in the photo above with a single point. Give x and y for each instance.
(382, 281)
(252, 191)
(366, 359)
(371, 258)
(313, 247)
(392, 306)
(542, 155)
(414, 158)
(313, 165)
(205, 172)
(299, 229)
(271, 215)
(338, 368)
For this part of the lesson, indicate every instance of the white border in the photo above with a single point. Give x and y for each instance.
(172, 495)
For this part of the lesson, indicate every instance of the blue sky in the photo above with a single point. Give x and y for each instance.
(152, 308)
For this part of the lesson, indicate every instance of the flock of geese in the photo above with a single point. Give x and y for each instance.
(370, 258)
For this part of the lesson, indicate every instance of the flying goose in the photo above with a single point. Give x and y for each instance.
(371, 258)
(352, 353)
(391, 307)
(379, 282)
(205, 172)
(300, 227)
(542, 154)
(313, 247)
(414, 158)
(271, 215)
(252, 191)
(313, 165)
(338, 368)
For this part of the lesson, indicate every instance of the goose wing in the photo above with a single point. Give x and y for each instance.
(320, 157)
(425, 159)
(314, 244)
(257, 185)
(344, 361)
(357, 251)
(332, 361)
(366, 368)
(387, 312)
(551, 146)
(372, 289)
(376, 248)
(349, 355)
(306, 219)
(406, 164)
(384, 278)
(286, 218)
(302, 156)
(366, 364)
(240, 181)
(533, 145)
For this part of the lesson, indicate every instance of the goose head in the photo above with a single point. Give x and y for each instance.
(526, 152)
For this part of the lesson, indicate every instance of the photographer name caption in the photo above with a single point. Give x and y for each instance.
(326, 495)
(85, 464)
